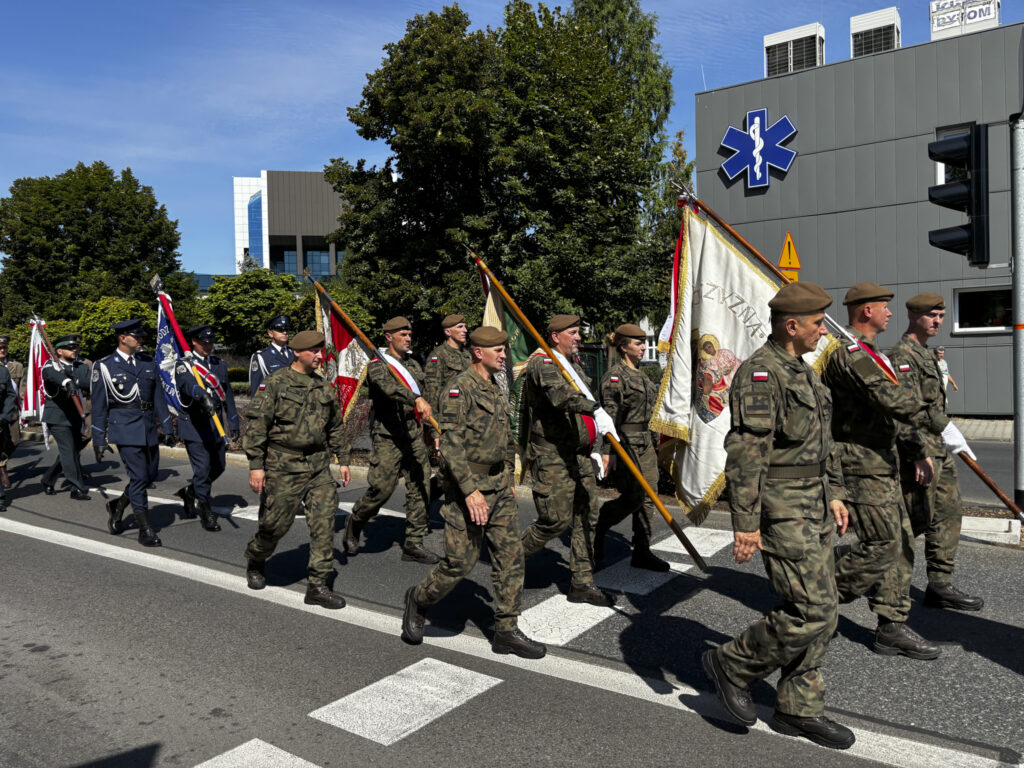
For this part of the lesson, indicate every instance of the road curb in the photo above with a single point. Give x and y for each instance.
(998, 530)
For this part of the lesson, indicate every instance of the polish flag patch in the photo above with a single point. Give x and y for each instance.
(433, 359)
(853, 348)
(759, 376)
(262, 387)
(613, 378)
(904, 368)
(375, 360)
(453, 393)
(547, 359)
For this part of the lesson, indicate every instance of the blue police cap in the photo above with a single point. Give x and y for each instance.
(201, 333)
(280, 323)
(129, 327)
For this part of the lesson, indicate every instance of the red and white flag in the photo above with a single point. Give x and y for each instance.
(34, 396)
(346, 359)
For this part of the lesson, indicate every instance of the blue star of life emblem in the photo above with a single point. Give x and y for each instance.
(758, 148)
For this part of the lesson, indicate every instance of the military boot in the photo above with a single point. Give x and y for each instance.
(893, 638)
(519, 644)
(188, 496)
(207, 517)
(735, 698)
(351, 538)
(821, 730)
(589, 593)
(115, 511)
(147, 536)
(413, 618)
(321, 594)
(417, 553)
(254, 575)
(645, 559)
(948, 596)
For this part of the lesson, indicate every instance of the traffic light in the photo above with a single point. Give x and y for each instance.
(968, 151)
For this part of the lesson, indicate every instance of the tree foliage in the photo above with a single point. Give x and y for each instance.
(239, 307)
(527, 143)
(98, 339)
(20, 337)
(82, 235)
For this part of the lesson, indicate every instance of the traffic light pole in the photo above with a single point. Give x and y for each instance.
(1017, 270)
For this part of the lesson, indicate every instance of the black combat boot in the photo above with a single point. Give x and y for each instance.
(644, 558)
(3, 502)
(321, 594)
(188, 496)
(413, 619)
(417, 553)
(519, 644)
(948, 596)
(893, 638)
(80, 495)
(821, 730)
(115, 511)
(207, 517)
(735, 698)
(254, 574)
(589, 593)
(351, 538)
(147, 536)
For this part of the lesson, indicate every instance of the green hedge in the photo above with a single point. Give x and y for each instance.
(238, 373)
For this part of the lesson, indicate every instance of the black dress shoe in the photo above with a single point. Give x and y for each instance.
(79, 495)
(895, 637)
(350, 539)
(320, 594)
(418, 554)
(49, 490)
(254, 574)
(207, 516)
(188, 496)
(413, 619)
(821, 730)
(647, 560)
(519, 644)
(115, 509)
(948, 596)
(147, 536)
(735, 698)
(589, 593)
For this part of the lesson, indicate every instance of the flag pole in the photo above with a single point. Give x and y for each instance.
(637, 474)
(363, 338)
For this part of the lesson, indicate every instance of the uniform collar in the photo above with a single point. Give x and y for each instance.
(796, 363)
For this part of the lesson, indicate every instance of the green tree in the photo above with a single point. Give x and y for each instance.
(82, 235)
(98, 339)
(239, 306)
(20, 336)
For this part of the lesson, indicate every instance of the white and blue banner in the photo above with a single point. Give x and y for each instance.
(168, 352)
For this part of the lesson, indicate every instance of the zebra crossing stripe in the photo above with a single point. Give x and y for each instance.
(257, 754)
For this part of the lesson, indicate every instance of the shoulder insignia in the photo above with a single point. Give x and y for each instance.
(95, 373)
(613, 378)
(547, 359)
(262, 387)
(759, 376)
(853, 347)
(453, 393)
(182, 368)
(433, 359)
(904, 367)
(255, 364)
(375, 360)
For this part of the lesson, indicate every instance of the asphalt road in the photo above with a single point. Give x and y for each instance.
(115, 655)
(997, 461)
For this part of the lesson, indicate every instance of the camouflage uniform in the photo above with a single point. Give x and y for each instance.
(397, 446)
(564, 488)
(867, 407)
(443, 365)
(478, 454)
(782, 470)
(935, 511)
(628, 395)
(293, 420)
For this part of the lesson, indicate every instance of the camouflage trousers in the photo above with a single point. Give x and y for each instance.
(792, 638)
(305, 480)
(564, 492)
(937, 512)
(462, 542)
(879, 519)
(387, 459)
(633, 500)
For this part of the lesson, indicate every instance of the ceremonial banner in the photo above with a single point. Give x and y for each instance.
(33, 397)
(346, 361)
(168, 352)
(721, 317)
(665, 336)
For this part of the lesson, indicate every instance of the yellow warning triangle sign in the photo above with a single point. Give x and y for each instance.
(788, 259)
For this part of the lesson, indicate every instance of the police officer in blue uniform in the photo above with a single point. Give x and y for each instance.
(63, 379)
(275, 355)
(206, 448)
(127, 406)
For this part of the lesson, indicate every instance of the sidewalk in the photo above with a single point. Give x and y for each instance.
(987, 430)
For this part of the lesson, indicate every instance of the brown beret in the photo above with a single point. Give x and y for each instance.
(799, 299)
(560, 323)
(397, 324)
(631, 331)
(487, 336)
(862, 293)
(452, 320)
(925, 302)
(307, 340)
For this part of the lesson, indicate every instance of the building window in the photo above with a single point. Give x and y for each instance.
(319, 263)
(805, 53)
(983, 310)
(794, 55)
(256, 227)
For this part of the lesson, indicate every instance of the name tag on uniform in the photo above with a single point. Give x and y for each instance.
(759, 376)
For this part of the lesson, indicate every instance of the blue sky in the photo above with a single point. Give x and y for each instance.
(189, 94)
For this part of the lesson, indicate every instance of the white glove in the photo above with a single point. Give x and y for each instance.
(604, 423)
(955, 442)
(598, 465)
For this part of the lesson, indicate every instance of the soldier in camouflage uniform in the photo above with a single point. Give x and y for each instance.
(867, 408)
(293, 419)
(478, 459)
(935, 508)
(400, 412)
(628, 395)
(447, 360)
(10, 434)
(785, 486)
(563, 424)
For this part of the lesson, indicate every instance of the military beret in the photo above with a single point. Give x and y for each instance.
(68, 340)
(279, 323)
(631, 331)
(201, 332)
(397, 324)
(304, 340)
(925, 302)
(799, 299)
(129, 328)
(560, 323)
(452, 320)
(487, 336)
(862, 293)
(5, 339)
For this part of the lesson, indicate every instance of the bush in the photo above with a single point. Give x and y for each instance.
(240, 387)
(239, 373)
(17, 348)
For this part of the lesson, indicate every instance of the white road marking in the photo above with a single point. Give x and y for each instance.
(556, 621)
(889, 750)
(390, 709)
(707, 541)
(257, 754)
(622, 577)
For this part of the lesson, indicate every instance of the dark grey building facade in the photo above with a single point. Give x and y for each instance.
(855, 198)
